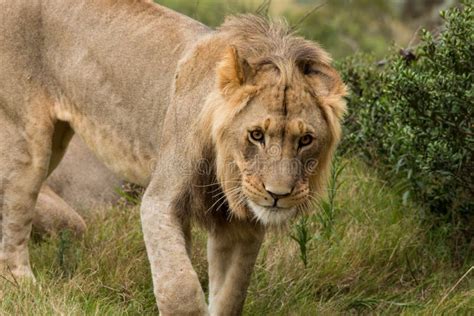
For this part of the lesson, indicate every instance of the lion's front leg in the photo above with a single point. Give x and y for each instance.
(176, 284)
(231, 261)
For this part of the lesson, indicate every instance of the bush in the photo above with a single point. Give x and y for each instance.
(412, 114)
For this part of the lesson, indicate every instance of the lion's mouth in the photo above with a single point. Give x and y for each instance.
(276, 208)
(271, 215)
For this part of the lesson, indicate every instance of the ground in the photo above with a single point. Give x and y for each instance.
(371, 253)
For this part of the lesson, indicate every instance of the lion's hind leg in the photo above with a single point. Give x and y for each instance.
(25, 151)
(53, 215)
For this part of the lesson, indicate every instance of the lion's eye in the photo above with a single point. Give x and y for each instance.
(257, 135)
(306, 140)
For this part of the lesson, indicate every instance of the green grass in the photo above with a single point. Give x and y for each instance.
(379, 257)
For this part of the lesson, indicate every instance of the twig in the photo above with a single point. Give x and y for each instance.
(308, 14)
(411, 270)
(6, 279)
(13, 276)
(454, 286)
(196, 7)
(264, 7)
(415, 35)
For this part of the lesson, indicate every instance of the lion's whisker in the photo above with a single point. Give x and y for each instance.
(218, 200)
(230, 195)
(224, 196)
(239, 198)
(215, 183)
(228, 192)
(224, 192)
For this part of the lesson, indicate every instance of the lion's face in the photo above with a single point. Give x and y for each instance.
(275, 149)
(280, 139)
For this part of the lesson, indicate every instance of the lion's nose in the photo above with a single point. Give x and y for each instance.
(278, 192)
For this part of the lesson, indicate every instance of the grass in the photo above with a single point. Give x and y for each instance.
(380, 257)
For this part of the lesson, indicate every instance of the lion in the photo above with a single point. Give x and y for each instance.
(82, 181)
(79, 185)
(232, 128)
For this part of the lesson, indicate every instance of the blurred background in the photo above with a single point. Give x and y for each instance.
(343, 27)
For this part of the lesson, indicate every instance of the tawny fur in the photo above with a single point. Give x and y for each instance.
(167, 103)
(82, 181)
(53, 214)
(81, 184)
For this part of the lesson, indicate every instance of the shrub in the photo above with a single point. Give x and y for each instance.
(412, 114)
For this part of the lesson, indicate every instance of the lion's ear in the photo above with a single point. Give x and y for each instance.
(233, 72)
(323, 78)
(327, 84)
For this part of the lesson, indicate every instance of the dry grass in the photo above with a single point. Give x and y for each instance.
(379, 258)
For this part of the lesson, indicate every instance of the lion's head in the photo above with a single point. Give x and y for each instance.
(275, 119)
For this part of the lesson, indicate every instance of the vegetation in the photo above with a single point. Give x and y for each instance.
(346, 27)
(370, 247)
(342, 26)
(380, 257)
(413, 115)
